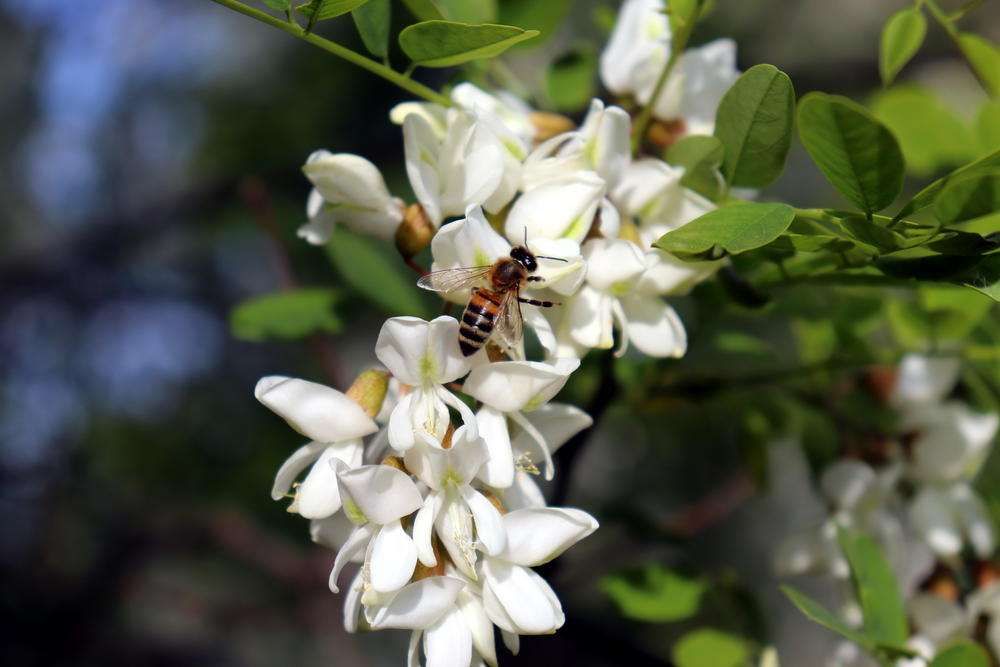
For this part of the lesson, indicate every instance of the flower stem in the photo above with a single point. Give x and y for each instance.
(350, 56)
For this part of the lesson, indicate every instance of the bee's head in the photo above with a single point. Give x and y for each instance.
(524, 257)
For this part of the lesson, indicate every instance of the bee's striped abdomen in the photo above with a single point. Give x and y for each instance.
(477, 320)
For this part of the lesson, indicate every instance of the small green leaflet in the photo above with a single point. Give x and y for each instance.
(754, 123)
(654, 595)
(571, 80)
(372, 20)
(707, 647)
(447, 43)
(856, 153)
(962, 654)
(321, 10)
(817, 613)
(901, 39)
(876, 589)
(728, 231)
(984, 58)
(924, 198)
(286, 315)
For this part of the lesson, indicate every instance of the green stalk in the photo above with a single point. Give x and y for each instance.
(350, 56)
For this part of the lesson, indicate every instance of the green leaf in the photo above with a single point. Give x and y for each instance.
(571, 80)
(468, 11)
(988, 125)
(656, 595)
(876, 589)
(545, 17)
(817, 613)
(701, 156)
(754, 124)
(962, 654)
(425, 10)
(855, 152)
(728, 231)
(968, 198)
(374, 274)
(328, 9)
(446, 43)
(984, 58)
(707, 647)
(278, 5)
(931, 135)
(901, 39)
(372, 20)
(986, 165)
(984, 277)
(286, 315)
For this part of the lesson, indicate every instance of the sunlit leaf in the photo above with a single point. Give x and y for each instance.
(572, 79)
(817, 613)
(855, 152)
(728, 231)
(876, 589)
(656, 595)
(901, 39)
(701, 156)
(286, 315)
(707, 647)
(373, 20)
(321, 10)
(968, 198)
(754, 124)
(447, 43)
(984, 57)
(374, 274)
(962, 654)
(986, 165)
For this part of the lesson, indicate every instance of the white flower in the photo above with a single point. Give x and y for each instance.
(333, 422)
(453, 507)
(600, 145)
(638, 48)
(707, 73)
(951, 441)
(949, 517)
(619, 290)
(505, 107)
(516, 599)
(462, 636)
(923, 380)
(348, 189)
(561, 208)
(425, 356)
(650, 191)
(415, 606)
(452, 169)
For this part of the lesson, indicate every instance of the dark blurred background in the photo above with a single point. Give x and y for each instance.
(150, 181)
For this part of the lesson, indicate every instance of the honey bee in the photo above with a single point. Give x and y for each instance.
(495, 302)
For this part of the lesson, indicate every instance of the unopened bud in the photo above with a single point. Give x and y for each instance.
(548, 125)
(395, 462)
(415, 232)
(663, 134)
(369, 390)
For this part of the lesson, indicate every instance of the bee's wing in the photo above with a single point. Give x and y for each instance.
(452, 280)
(509, 323)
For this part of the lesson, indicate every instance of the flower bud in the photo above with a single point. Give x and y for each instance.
(663, 134)
(369, 390)
(548, 125)
(415, 232)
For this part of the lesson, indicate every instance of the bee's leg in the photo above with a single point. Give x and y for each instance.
(535, 279)
(540, 304)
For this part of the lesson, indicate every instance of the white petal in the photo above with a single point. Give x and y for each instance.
(498, 470)
(356, 543)
(709, 71)
(421, 353)
(394, 556)
(467, 242)
(936, 618)
(524, 492)
(932, 518)
(468, 418)
(479, 625)
(613, 264)
(484, 161)
(845, 483)
(489, 524)
(800, 553)
(467, 455)
(422, 149)
(433, 114)
(974, 518)
(448, 642)
(354, 192)
(563, 277)
(352, 603)
(536, 536)
(314, 410)
(529, 429)
(518, 385)
(322, 220)
(418, 605)
(423, 528)
(380, 493)
(665, 274)
(925, 379)
(512, 641)
(332, 532)
(454, 528)
(413, 651)
(588, 320)
(654, 326)
(647, 188)
(525, 597)
(641, 30)
(562, 208)
(400, 427)
(318, 496)
(293, 466)
(557, 422)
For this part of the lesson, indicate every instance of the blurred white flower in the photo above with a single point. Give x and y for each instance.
(348, 189)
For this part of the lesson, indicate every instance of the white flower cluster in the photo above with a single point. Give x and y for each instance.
(918, 503)
(441, 507)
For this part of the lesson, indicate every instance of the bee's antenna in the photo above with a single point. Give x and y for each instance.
(558, 259)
